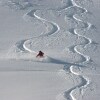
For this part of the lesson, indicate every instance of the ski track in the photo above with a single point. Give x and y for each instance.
(21, 45)
(55, 29)
(84, 81)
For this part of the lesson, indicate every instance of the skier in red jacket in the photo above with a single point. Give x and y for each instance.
(40, 54)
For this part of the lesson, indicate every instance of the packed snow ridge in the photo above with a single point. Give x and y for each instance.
(84, 81)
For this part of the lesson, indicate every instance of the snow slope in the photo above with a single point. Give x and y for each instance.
(67, 31)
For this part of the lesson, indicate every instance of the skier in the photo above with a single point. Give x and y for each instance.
(40, 54)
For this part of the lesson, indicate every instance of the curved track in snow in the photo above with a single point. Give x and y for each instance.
(84, 81)
(21, 45)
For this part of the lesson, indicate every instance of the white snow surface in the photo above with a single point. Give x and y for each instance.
(67, 31)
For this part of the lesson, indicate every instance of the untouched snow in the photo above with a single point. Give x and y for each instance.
(67, 31)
